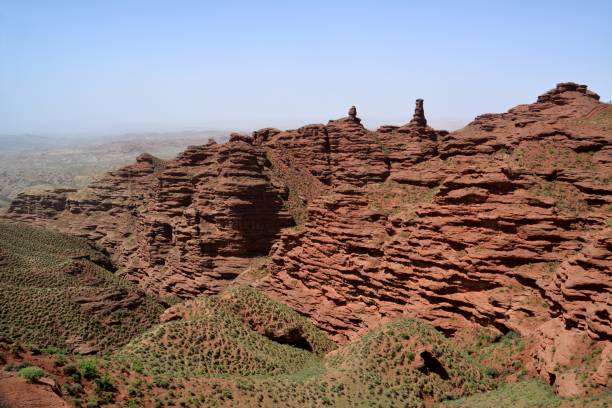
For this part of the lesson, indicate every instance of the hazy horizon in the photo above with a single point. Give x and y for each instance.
(70, 68)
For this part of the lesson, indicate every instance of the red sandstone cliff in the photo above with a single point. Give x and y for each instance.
(505, 223)
(187, 226)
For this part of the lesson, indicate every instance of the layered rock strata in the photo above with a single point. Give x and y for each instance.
(498, 224)
(183, 227)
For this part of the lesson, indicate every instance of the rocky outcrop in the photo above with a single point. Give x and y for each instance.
(419, 115)
(40, 205)
(16, 392)
(504, 223)
(559, 96)
(480, 226)
(214, 209)
(108, 301)
(343, 151)
(410, 144)
(581, 289)
(184, 227)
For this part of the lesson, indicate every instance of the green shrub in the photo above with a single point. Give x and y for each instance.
(31, 373)
(24, 364)
(53, 350)
(73, 389)
(93, 403)
(69, 369)
(137, 366)
(88, 367)
(134, 389)
(161, 382)
(59, 361)
(105, 384)
(492, 372)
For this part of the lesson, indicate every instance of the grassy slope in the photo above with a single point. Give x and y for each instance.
(38, 292)
(266, 316)
(527, 394)
(228, 334)
(212, 345)
(219, 353)
(219, 357)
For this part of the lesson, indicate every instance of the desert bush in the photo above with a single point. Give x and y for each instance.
(73, 389)
(31, 373)
(88, 367)
(105, 384)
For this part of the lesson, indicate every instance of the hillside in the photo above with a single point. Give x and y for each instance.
(210, 352)
(56, 291)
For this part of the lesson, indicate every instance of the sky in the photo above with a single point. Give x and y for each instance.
(96, 67)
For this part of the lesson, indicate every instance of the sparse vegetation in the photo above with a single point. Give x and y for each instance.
(527, 394)
(239, 348)
(565, 196)
(391, 197)
(41, 275)
(31, 373)
(229, 353)
(222, 354)
(303, 186)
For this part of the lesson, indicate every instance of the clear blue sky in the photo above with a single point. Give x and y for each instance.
(115, 66)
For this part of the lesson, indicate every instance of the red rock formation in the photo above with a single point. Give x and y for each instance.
(504, 223)
(40, 205)
(407, 145)
(581, 289)
(482, 219)
(214, 209)
(419, 115)
(186, 226)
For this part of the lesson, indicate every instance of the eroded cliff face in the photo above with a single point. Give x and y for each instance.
(183, 227)
(214, 209)
(469, 227)
(506, 223)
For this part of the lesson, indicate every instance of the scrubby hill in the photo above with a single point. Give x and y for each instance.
(215, 342)
(216, 357)
(56, 290)
(260, 313)
(527, 394)
(213, 351)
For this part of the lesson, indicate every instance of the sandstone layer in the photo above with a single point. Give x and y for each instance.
(506, 223)
(183, 227)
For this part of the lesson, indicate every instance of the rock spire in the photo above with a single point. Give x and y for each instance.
(419, 114)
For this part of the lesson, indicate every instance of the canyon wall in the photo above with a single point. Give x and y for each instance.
(506, 223)
(468, 227)
(183, 227)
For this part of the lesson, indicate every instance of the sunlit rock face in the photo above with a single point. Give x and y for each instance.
(505, 223)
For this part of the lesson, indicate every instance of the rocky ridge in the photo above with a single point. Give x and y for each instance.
(505, 223)
(183, 227)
